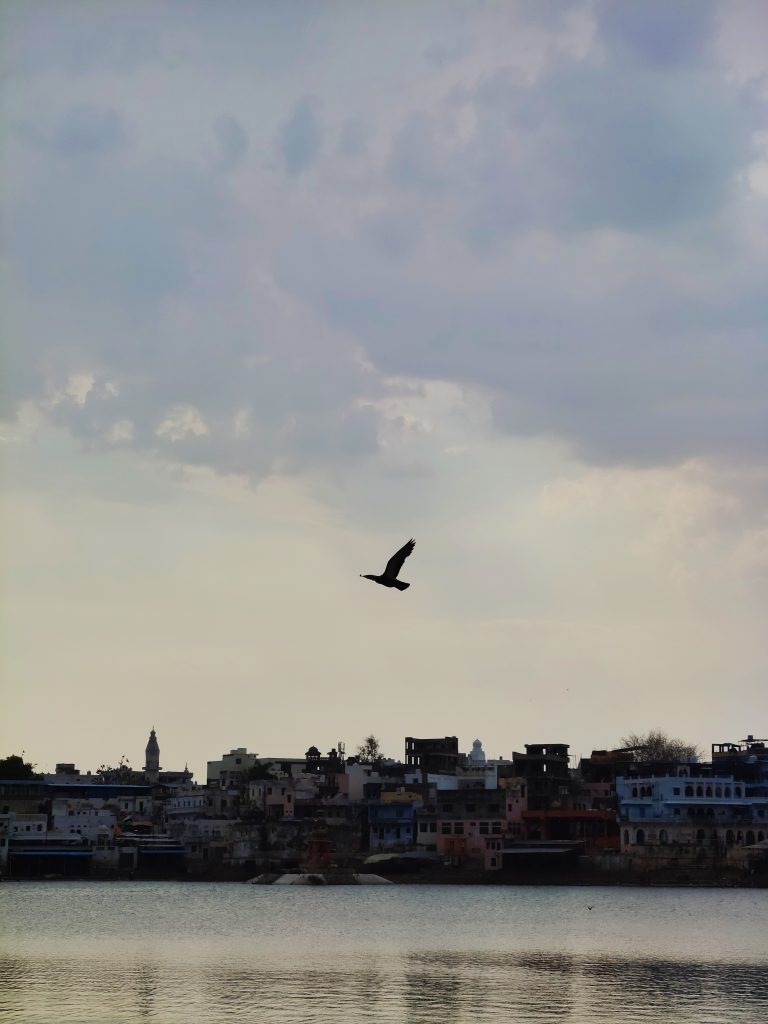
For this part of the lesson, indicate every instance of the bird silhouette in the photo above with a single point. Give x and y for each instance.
(389, 577)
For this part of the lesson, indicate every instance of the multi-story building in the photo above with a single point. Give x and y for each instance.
(391, 824)
(688, 805)
(230, 768)
(544, 766)
(432, 755)
(464, 823)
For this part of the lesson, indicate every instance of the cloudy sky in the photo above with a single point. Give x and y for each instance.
(286, 284)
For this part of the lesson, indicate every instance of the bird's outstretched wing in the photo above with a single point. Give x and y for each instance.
(395, 564)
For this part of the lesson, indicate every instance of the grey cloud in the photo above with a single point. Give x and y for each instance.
(658, 32)
(588, 146)
(596, 342)
(301, 136)
(85, 130)
(114, 231)
(354, 136)
(232, 139)
(575, 250)
(416, 158)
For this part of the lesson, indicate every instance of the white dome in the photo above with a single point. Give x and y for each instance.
(477, 754)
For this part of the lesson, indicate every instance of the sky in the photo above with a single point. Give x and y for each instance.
(284, 285)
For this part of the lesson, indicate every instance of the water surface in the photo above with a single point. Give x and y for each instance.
(126, 952)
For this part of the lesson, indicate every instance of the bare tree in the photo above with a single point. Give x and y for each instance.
(655, 745)
(369, 750)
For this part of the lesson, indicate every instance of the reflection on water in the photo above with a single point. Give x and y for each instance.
(358, 958)
(421, 988)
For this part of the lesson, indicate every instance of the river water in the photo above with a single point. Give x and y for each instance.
(125, 952)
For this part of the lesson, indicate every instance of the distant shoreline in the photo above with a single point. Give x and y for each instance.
(453, 879)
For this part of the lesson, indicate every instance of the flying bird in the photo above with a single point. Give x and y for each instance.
(389, 577)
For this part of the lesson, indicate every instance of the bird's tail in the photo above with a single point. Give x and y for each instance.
(400, 585)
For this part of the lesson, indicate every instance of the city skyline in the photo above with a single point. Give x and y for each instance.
(285, 285)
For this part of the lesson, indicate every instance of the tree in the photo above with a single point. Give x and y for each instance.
(260, 770)
(369, 750)
(655, 745)
(123, 774)
(15, 767)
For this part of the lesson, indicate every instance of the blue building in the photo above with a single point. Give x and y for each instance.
(391, 824)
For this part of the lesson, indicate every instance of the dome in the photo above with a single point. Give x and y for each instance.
(477, 754)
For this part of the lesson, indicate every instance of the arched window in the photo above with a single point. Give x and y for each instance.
(727, 790)
(626, 837)
(750, 838)
(634, 791)
(689, 790)
(699, 791)
(739, 838)
(708, 791)
(640, 837)
(761, 837)
(663, 837)
(700, 836)
(729, 837)
(737, 791)
(718, 790)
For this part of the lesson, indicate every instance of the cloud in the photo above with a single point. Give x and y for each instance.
(232, 139)
(83, 131)
(562, 212)
(301, 136)
(656, 32)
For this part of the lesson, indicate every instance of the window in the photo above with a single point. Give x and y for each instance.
(675, 791)
(727, 791)
(423, 826)
(445, 828)
(708, 791)
(496, 828)
(433, 826)
(483, 828)
(447, 807)
(737, 791)
(699, 791)
(634, 791)
(718, 790)
(470, 808)
(458, 828)
(689, 790)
